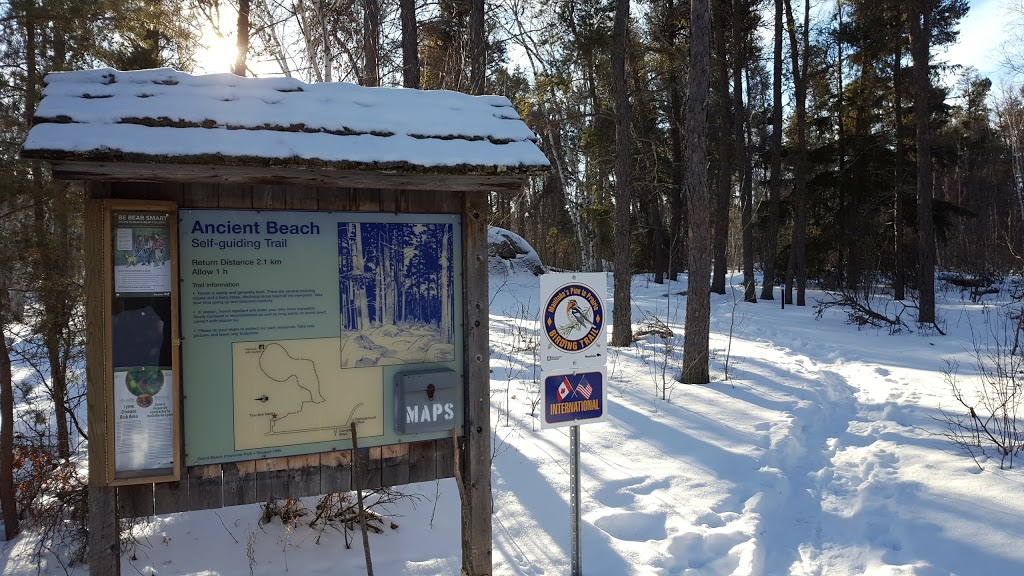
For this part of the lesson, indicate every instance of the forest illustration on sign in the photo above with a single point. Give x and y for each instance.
(397, 293)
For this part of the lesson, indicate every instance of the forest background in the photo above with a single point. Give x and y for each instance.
(840, 150)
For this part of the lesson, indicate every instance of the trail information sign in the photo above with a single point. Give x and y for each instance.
(573, 320)
(296, 324)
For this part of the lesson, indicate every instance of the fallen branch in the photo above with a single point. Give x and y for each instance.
(859, 312)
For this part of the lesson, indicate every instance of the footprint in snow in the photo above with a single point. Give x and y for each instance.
(633, 526)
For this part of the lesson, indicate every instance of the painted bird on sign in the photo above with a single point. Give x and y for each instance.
(577, 315)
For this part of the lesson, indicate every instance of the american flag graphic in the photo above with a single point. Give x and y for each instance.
(585, 389)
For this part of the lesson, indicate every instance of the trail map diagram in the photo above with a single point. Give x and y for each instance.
(295, 392)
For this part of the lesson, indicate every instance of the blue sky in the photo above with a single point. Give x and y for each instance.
(981, 34)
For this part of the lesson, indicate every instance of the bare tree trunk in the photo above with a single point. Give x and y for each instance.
(920, 32)
(410, 45)
(775, 176)
(307, 36)
(477, 47)
(678, 201)
(54, 317)
(698, 301)
(59, 388)
(900, 283)
(371, 42)
(798, 248)
(846, 231)
(623, 333)
(321, 13)
(744, 168)
(724, 194)
(8, 497)
(658, 237)
(746, 214)
(243, 37)
(677, 205)
(1013, 136)
(8, 494)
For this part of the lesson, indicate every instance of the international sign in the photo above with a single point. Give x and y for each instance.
(573, 398)
(573, 320)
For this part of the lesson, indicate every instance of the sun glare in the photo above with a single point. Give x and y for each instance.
(217, 53)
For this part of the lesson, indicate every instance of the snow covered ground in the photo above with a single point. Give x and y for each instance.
(819, 455)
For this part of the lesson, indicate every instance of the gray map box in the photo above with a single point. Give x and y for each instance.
(427, 401)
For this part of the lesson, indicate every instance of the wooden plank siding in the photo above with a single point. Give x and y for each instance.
(271, 479)
(170, 497)
(135, 501)
(239, 483)
(205, 487)
(254, 481)
(423, 461)
(336, 471)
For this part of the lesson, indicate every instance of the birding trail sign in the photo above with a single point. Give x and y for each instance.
(573, 398)
(573, 321)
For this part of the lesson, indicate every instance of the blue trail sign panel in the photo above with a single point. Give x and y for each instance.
(573, 398)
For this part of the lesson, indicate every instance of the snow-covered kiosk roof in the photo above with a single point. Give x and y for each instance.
(165, 125)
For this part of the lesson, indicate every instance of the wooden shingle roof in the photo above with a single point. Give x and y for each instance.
(87, 121)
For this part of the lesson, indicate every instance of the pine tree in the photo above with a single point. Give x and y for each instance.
(698, 301)
(623, 277)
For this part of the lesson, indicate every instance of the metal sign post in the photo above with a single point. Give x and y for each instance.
(572, 360)
(574, 499)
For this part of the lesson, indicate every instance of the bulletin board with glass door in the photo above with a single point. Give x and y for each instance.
(142, 370)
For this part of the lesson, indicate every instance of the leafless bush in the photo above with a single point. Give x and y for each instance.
(520, 337)
(340, 511)
(987, 418)
(652, 325)
(250, 549)
(289, 510)
(53, 497)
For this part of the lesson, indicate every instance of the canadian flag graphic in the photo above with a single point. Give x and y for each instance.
(564, 389)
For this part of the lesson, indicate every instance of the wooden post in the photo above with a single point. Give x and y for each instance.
(104, 553)
(359, 498)
(476, 466)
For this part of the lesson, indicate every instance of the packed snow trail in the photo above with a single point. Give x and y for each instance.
(807, 461)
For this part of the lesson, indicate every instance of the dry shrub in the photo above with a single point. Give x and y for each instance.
(53, 495)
